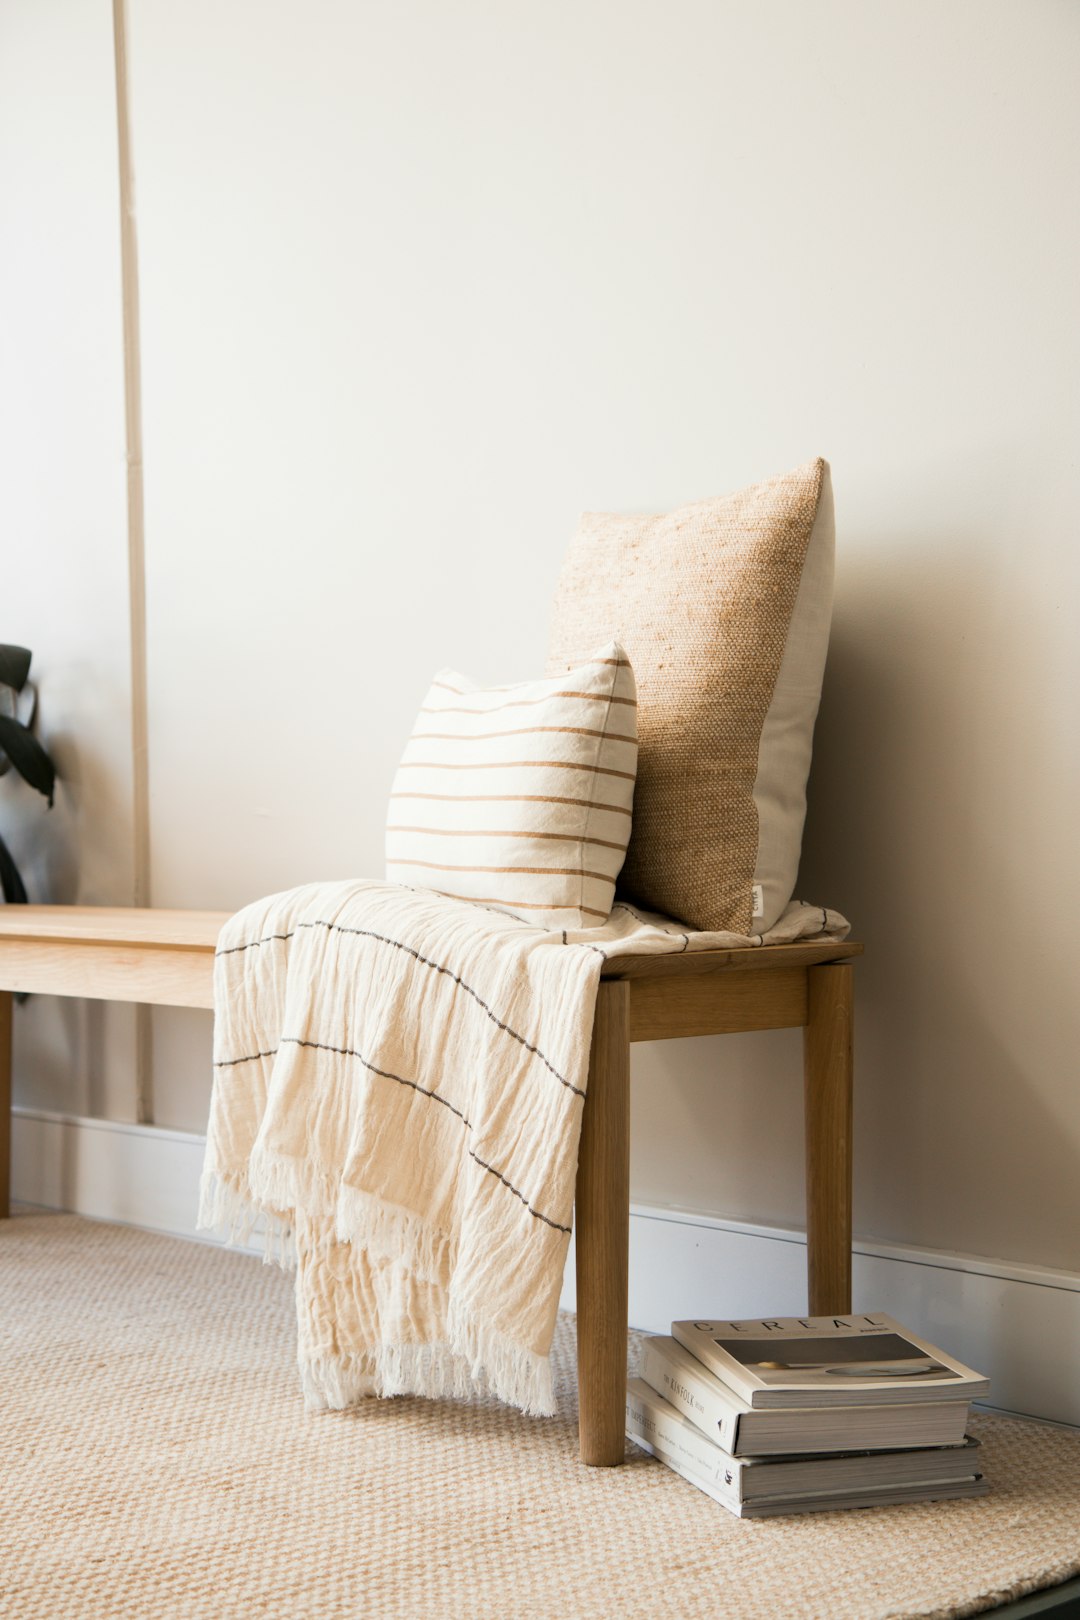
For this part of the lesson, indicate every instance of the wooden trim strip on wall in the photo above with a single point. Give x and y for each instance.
(129, 273)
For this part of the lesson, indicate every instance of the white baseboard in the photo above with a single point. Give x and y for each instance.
(1017, 1323)
(139, 1175)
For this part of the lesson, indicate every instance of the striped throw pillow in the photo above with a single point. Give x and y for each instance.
(520, 796)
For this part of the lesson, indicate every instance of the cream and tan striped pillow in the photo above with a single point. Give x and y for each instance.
(520, 796)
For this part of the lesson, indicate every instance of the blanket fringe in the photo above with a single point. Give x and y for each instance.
(334, 1382)
(227, 1208)
(280, 1183)
(476, 1360)
(515, 1374)
(389, 1234)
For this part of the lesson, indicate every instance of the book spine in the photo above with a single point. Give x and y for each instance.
(697, 1397)
(680, 1466)
(669, 1439)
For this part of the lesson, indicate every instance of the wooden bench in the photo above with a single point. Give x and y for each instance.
(166, 958)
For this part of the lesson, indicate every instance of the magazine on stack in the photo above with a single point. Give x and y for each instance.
(760, 1487)
(809, 1361)
(731, 1422)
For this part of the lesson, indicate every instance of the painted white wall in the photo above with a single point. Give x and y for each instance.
(421, 282)
(62, 508)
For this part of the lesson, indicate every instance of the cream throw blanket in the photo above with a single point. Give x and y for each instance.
(398, 1081)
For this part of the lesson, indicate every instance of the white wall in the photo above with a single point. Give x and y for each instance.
(62, 509)
(421, 282)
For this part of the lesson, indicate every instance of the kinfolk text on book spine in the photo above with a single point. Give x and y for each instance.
(697, 1396)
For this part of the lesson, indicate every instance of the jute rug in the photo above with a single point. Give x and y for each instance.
(156, 1460)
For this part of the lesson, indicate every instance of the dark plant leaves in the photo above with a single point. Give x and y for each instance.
(14, 666)
(10, 881)
(27, 755)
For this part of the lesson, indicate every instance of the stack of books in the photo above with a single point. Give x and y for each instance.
(796, 1414)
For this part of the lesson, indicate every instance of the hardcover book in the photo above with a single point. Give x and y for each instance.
(813, 1361)
(658, 1427)
(730, 1421)
(941, 1490)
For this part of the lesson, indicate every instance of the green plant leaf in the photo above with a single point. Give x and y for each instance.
(14, 666)
(10, 881)
(27, 755)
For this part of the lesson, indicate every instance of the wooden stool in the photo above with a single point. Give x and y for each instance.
(166, 958)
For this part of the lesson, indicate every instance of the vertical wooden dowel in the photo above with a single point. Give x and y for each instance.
(140, 749)
(7, 1002)
(602, 1232)
(827, 1053)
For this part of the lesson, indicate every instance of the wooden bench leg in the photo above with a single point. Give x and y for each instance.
(7, 1001)
(602, 1232)
(827, 1056)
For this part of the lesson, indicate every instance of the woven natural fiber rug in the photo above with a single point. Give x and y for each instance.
(156, 1460)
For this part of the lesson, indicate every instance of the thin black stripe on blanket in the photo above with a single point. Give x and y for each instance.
(425, 961)
(414, 1085)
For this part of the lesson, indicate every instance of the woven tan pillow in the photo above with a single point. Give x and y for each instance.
(723, 608)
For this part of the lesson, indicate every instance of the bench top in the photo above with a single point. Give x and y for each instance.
(114, 925)
(132, 953)
(800, 953)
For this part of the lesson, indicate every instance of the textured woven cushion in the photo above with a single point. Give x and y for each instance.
(723, 608)
(520, 796)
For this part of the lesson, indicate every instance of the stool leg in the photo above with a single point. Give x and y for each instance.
(602, 1231)
(827, 1061)
(6, 1004)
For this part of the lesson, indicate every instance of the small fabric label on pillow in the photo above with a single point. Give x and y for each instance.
(758, 895)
